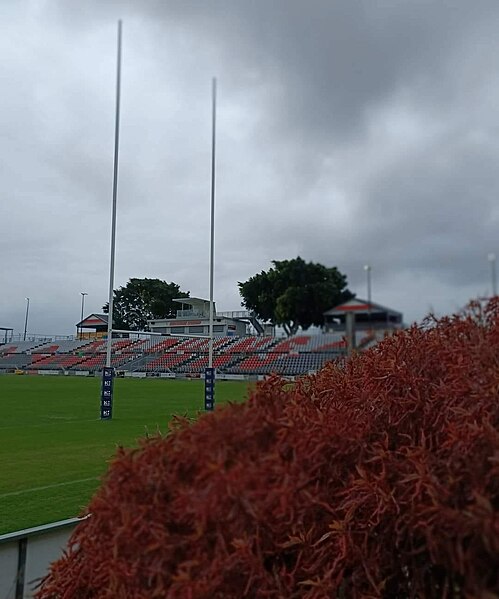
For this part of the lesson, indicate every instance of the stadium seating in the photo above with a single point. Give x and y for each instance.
(254, 364)
(220, 362)
(12, 361)
(94, 346)
(46, 349)
(251, 344)
(158, 345)
(98, 361)
(299, 364)
(19, 347)
(54, 362)
(296, 355)
(63, 347)
(311, 343)
(167, 362)
(299, 342)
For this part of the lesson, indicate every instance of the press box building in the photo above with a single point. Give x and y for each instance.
(193, 318)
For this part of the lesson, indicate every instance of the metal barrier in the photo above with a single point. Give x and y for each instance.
(25, 556)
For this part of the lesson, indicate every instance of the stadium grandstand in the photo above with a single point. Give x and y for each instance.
(173, 350)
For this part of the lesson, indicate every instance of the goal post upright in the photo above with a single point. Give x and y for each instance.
(209, 375)
(106, 408)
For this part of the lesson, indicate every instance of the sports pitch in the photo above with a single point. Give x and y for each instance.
(54, 447)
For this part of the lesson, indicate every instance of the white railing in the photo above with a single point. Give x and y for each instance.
(34, 337)
(190, 314)
(25, 556)
(236, 314)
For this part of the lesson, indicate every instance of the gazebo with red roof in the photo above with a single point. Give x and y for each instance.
(367, 316)
(96, 322)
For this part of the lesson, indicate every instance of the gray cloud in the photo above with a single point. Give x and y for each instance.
(348, 132)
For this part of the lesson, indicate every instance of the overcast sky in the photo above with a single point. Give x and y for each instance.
(349, 132)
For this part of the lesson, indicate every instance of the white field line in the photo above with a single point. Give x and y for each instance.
(33, 489)
(58, 421)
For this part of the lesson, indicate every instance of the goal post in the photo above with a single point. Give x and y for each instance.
(157, 355)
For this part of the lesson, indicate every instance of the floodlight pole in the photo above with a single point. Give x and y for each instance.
(367, 268)
(83, 294)
(492, 260)
(26, 319)
(107, 373)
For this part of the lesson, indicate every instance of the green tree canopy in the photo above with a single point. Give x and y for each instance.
(142, 300)
(294, 293)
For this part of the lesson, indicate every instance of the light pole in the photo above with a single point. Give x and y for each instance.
(82, 305)
(492, 259)
(26, 319)
(367, 268)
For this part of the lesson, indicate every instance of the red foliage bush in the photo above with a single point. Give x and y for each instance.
(376, 478)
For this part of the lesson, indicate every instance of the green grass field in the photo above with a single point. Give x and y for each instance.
(54, 447)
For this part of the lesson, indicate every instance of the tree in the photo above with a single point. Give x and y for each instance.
(142, 300)
(294, 293)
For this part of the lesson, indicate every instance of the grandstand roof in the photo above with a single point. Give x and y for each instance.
(360, 305)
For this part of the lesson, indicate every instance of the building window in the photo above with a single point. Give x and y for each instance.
(198, 330)
(174, 330)
(218, 328)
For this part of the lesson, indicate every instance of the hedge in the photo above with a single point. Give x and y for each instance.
(377, 477)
